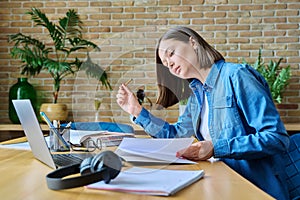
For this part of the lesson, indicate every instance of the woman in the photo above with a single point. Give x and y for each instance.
(230, 110)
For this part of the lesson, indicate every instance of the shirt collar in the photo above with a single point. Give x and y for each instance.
(214, 73)
(194, 83)
(212, 76)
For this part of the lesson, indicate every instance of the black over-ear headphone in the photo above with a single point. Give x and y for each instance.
(104, 166)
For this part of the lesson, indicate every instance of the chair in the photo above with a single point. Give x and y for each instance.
(293, 167)
(102, 126)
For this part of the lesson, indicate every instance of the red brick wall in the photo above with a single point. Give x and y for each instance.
(127, 32)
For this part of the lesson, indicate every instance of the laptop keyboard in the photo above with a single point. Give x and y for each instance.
(65, 159)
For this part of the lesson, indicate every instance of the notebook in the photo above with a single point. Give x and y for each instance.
(37, 141)
(150, 181)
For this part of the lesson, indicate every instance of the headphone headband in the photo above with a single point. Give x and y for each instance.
(55, 179)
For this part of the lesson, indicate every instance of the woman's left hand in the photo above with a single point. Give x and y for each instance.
(201, 150)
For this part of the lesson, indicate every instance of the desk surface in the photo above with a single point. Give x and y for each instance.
(11, 131)
(18, 127)
(23, 177)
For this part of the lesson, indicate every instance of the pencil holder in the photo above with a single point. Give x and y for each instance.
(56, 143)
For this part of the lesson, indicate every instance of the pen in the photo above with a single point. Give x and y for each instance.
(127, 82)
(66, 127)
(55, 124)
(47, 120)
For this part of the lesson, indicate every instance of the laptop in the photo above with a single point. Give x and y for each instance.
(37, 141)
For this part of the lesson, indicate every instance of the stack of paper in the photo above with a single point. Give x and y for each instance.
(150, 181)
(153, 150)
(107, 138)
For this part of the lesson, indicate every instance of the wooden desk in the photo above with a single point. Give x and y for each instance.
(12, 131)
(23, 177)
(292, 128)
(18, 127)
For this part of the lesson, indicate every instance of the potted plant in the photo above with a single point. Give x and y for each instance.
(276, 76)
(60, 56)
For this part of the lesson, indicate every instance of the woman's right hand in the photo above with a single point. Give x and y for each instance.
(128, 101)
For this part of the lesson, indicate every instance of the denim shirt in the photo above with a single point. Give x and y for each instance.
(245, 127)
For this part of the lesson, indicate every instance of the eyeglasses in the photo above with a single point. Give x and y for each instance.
(88, 145)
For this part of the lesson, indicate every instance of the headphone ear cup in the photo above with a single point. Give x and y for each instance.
(104, 166)
(85, 166)
(109, 163)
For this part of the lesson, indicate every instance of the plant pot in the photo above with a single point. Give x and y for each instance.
(55, 111)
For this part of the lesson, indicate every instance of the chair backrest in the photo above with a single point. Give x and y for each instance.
(293, 167)
(102, 126)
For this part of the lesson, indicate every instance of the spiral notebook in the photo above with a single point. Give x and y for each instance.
(150, 181)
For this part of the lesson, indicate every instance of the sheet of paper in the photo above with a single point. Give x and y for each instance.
(21, 145)
(150, 181)
(76, 135)
(153, 150)
(107, 138)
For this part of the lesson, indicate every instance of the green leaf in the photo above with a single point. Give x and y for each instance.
(276, 77)
(41, 19)
(66, 39)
